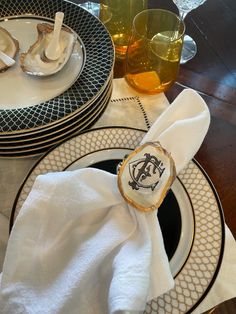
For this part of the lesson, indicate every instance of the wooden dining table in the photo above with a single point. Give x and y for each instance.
(212, 73)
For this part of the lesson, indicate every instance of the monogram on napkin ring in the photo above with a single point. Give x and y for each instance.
(146, 175)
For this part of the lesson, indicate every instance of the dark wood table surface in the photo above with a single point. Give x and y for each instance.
(212, 72)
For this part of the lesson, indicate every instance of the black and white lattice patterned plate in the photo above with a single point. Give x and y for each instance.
(195, 274)
(35, 133)
(40, 147)
(91, 82)
(27, 140)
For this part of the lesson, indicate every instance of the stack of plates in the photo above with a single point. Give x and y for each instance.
(36, 113)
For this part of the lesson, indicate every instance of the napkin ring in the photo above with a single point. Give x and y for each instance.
(146, 175)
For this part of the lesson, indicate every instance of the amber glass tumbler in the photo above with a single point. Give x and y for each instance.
(154, 51)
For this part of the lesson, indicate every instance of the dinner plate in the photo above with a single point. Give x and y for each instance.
(35, 150)
(34, 146)
(47, 134)
(39, 133)
(97, 66)
(40, 148)
(191, 216)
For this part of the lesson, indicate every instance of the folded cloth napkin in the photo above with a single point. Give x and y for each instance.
(78, 247)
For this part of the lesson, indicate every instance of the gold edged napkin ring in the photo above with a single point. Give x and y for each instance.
(146, 175)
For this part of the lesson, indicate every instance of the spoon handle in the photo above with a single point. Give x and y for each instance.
(53, 50)
(6, 59)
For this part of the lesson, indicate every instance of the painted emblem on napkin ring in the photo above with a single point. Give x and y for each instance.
(146, 175)
(149, 167)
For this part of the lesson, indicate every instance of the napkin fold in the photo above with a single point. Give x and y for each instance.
(182, 127)
(77, 247)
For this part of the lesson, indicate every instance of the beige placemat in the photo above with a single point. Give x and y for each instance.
(151, 105)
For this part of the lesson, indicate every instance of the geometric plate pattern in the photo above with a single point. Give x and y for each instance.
(35, 135)
(21, 141)
(96, 71)
(40, 149)
(199, 272)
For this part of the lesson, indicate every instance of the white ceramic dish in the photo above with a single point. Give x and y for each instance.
(198, 214)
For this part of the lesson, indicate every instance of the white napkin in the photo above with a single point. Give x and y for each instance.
(182, 127)
(77, 247)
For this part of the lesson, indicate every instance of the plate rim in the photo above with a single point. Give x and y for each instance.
(200, 168)
(39, 151)
(70, 124)
(222, 219)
